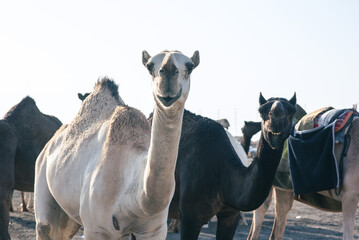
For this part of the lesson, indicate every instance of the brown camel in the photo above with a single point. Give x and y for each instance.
(24, 131)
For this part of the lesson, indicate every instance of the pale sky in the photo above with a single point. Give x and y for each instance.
(53, 50)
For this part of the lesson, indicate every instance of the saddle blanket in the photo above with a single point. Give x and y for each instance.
(325, 116)
(313, 165)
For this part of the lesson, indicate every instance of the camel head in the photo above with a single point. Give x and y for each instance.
(250, 128)
(170, 71)
(277, 115)
(224, 122)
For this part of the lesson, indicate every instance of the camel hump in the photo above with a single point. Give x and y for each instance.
(129, 127)
(109, 84)
(99, 105)
(30, 122)
(27, 101)
(26, 106)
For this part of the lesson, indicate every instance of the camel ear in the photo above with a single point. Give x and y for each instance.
(195, 59)
(293, 100)
(145, 57)
(80, 96)
(262, 100)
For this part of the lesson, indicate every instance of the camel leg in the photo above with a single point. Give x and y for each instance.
(173, 226)
(283, 204)
(10, 197)
(349, 205)
(159, 234)
(4, 214)
(227, 224)
(29, 200)
(52, 223)
(23, 204)
(47, 211)
(190, 227)
(258, 217)
(242, 219)
(350, 183)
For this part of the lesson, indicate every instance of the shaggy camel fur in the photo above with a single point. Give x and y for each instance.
(107, 170)
(349, 196)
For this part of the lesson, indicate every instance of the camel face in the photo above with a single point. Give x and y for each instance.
(277, 115)
(170, 72)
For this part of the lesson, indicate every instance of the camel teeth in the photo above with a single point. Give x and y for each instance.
(276, 134)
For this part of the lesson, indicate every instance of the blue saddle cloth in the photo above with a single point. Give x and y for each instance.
(313, 165)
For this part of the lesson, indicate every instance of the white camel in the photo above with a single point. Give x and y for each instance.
(348, 198)
(107, 170)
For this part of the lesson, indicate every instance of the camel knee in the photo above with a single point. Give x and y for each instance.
(43, 231)
(173, 226)
(242, 219)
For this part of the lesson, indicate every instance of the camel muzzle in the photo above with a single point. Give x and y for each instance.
(168, 101)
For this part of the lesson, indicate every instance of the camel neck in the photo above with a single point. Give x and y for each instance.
(251, 185)
(162, 157)
(246, 142)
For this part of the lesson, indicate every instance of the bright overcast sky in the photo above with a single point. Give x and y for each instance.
(53, 50)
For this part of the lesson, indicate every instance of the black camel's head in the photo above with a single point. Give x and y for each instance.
(277, 115)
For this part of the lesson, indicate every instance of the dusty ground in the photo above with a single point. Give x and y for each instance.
(303, 223)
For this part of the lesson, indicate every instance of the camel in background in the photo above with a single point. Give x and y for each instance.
(24, 131)
(347, 201)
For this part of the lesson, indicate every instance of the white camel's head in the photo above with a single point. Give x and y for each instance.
(170, 71)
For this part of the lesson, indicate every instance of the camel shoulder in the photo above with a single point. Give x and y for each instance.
(128, 126)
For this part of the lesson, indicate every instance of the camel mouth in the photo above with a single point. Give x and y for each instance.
(168, 101)
(274, 139)
(276, 133)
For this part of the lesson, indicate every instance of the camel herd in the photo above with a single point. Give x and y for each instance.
(121, 176)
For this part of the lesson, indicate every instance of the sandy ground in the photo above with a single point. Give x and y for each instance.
(304, 222)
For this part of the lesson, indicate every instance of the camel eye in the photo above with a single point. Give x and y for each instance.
(150, 67)
(161, 70)
(189, 67)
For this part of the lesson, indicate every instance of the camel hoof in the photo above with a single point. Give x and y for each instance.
(24, 208)
(244, 222)
(173, 230)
